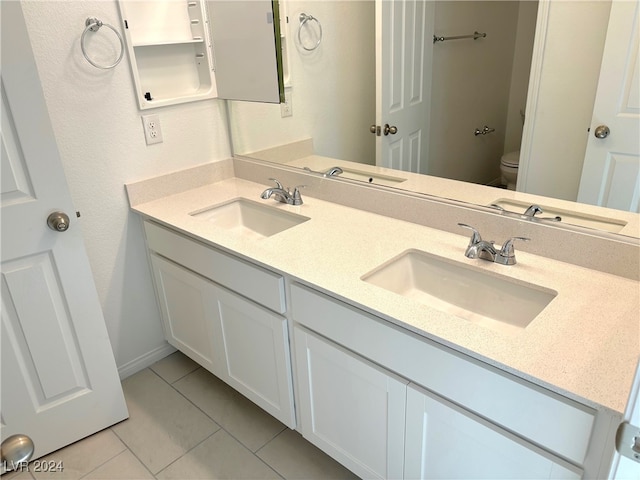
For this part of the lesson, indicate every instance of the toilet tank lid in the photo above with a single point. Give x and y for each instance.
(511, 159)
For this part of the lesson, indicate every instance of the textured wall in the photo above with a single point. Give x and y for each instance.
(99, 133)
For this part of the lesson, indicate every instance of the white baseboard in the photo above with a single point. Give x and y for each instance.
(143, 361)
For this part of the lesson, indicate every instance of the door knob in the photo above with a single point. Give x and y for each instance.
(16, 450)
(390, 130)
(602, 131)
(58, 221)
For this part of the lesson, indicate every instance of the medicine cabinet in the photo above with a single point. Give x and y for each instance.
(187, 50)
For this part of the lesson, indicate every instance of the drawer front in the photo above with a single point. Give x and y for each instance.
(260, 285)
(545, 418)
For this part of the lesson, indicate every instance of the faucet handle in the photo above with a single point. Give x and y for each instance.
(533, 210)
(475, 236)
(507, 254)
(278, 184)
(297, 198)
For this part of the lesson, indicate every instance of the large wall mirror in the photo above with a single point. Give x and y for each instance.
(521, 84)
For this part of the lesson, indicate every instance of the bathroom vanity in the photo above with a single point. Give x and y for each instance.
(294, 306)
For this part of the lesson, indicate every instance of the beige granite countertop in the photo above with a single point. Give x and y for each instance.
(584, 344)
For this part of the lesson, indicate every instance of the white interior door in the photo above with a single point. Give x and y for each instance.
(59, 379)
(611, 171)
(404, 50)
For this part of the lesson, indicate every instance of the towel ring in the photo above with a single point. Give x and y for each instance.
(304, 18)
(93, 25)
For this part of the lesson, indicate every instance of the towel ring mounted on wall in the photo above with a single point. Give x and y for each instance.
(93, 25)
(304, 19)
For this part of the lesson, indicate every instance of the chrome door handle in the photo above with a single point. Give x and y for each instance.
(16, 450)
(602, 131)
(390, 129)
(58, 221)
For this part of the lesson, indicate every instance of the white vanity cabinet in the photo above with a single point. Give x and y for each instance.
(225, 314)
(463, 418)
(350, 408)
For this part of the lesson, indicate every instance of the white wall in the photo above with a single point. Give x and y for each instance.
(99, 132)
(566, 92)
(333, 87)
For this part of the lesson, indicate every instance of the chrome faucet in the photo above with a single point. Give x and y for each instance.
(535, 209)
(332, 172)
(282, 194)
(479, 248)
(530, 212)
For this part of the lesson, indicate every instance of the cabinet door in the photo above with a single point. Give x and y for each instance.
(188, 307)
(445, 441)
(248, 54)
(255, 346)
(349, 408)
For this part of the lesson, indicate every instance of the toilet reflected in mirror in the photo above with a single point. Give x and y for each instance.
(509, 169)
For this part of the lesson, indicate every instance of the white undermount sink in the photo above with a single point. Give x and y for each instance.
(494, 301)
(250, 219)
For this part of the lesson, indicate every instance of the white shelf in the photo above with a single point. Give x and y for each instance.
(167, 42)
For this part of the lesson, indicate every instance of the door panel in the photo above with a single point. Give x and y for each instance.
(48, 344)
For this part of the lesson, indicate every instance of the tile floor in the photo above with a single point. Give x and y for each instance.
(186, 424)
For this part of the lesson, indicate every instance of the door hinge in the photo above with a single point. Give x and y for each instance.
(628, 441)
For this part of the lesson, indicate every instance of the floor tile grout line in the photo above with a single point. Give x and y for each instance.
(214, 420)
(109, 459)
(133, 453)
(185, 453)
(82, 440)
(198, 367)
(192, 404)
(220, 426)
(272, 439)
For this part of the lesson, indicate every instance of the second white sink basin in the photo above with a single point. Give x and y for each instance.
(250, 219)
(494, 301)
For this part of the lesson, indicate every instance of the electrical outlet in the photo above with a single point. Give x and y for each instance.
(286, 110)
(152, 130)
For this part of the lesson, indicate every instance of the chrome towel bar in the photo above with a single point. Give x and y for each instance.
(475, 36)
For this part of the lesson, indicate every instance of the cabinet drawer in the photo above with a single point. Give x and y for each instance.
(260, 285)
(541, 416)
